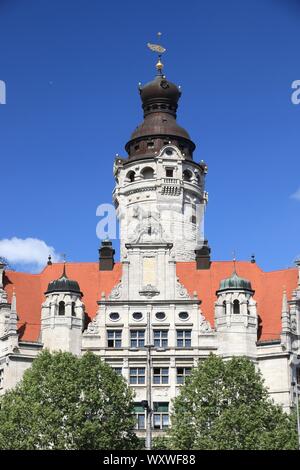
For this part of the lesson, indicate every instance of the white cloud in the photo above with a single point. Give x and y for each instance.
(296, 195)
(31, 252)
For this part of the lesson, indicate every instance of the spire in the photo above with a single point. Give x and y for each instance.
(285, 314)
(160, 50)
(13, 317)
(297, 262)
(49, 260)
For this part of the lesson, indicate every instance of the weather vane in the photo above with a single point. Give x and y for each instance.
(160, 50)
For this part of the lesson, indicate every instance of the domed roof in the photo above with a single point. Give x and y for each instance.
(160, 89)
(235, 282)
(63, 284)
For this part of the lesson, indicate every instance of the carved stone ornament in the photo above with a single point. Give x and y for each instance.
(116, 292)
(93, 328)
(204, 325)
(181, 290)
(149, 291)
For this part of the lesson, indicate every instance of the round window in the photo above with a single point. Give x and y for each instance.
(137, 315)
(160, 315)
(183, 315)
(114, 316)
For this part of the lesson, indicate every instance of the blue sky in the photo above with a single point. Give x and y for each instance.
(71, 70)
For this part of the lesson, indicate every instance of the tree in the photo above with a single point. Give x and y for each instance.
(66, 402)
(225, 405)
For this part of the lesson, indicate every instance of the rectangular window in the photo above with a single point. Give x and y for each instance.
(140, 414)
(160, 415)
(182, 373)
(137, 338)
(160, 375)
(160, 338)
(137, 375)
(118, 370)
(1, 378)
(114, 338)
(298, 375)
(184, 338)
(169, 173)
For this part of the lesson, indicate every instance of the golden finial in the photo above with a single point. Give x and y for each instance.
(160, 50)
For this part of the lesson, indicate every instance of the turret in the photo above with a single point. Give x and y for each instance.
(236, 317)
(63, 316)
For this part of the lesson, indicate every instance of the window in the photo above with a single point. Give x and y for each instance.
(182, 373)
(114, 338)
(236, 306)
(160, 375)
(118, 370)
(137, 316)
(114, 316)
(73, 309)
(224, 307)
(184, 338)
(187, 175)
(150, 145)
(1, 378)
(160, 315)
(147, 173)
(140, 414)
(160, 338)
(193, 219)
(169, 173)
(137, 338)
(160, 415)
(297, 375)
(137, 375)
(61, 308)
(130, 176)
(183, 315)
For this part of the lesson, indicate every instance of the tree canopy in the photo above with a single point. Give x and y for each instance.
(66, 402)
(225, 405)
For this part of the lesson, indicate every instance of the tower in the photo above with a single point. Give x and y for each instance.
(62, 316)
(236, 317)
(159, 192)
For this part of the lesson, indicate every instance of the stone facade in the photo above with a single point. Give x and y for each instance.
(160, 200)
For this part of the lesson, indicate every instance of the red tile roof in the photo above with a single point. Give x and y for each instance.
(268, 288)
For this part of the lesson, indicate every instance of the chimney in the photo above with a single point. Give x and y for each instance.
(106, 256)
(203, 256)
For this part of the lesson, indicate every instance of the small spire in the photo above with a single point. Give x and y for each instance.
(234, 262)
(297, 262)
(64, 274)
(13, 307)
(285, 314)
(253, 260)
(49, 260)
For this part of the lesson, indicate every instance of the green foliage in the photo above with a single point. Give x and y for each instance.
(66, 402)
(160, 443)
(224, 405)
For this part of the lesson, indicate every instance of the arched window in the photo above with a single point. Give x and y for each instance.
(73, 309)
(187, 175)
(147, 173)
(61, 308)
(248, 309)
(236, 306)
(130, 176)
(224, 307)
